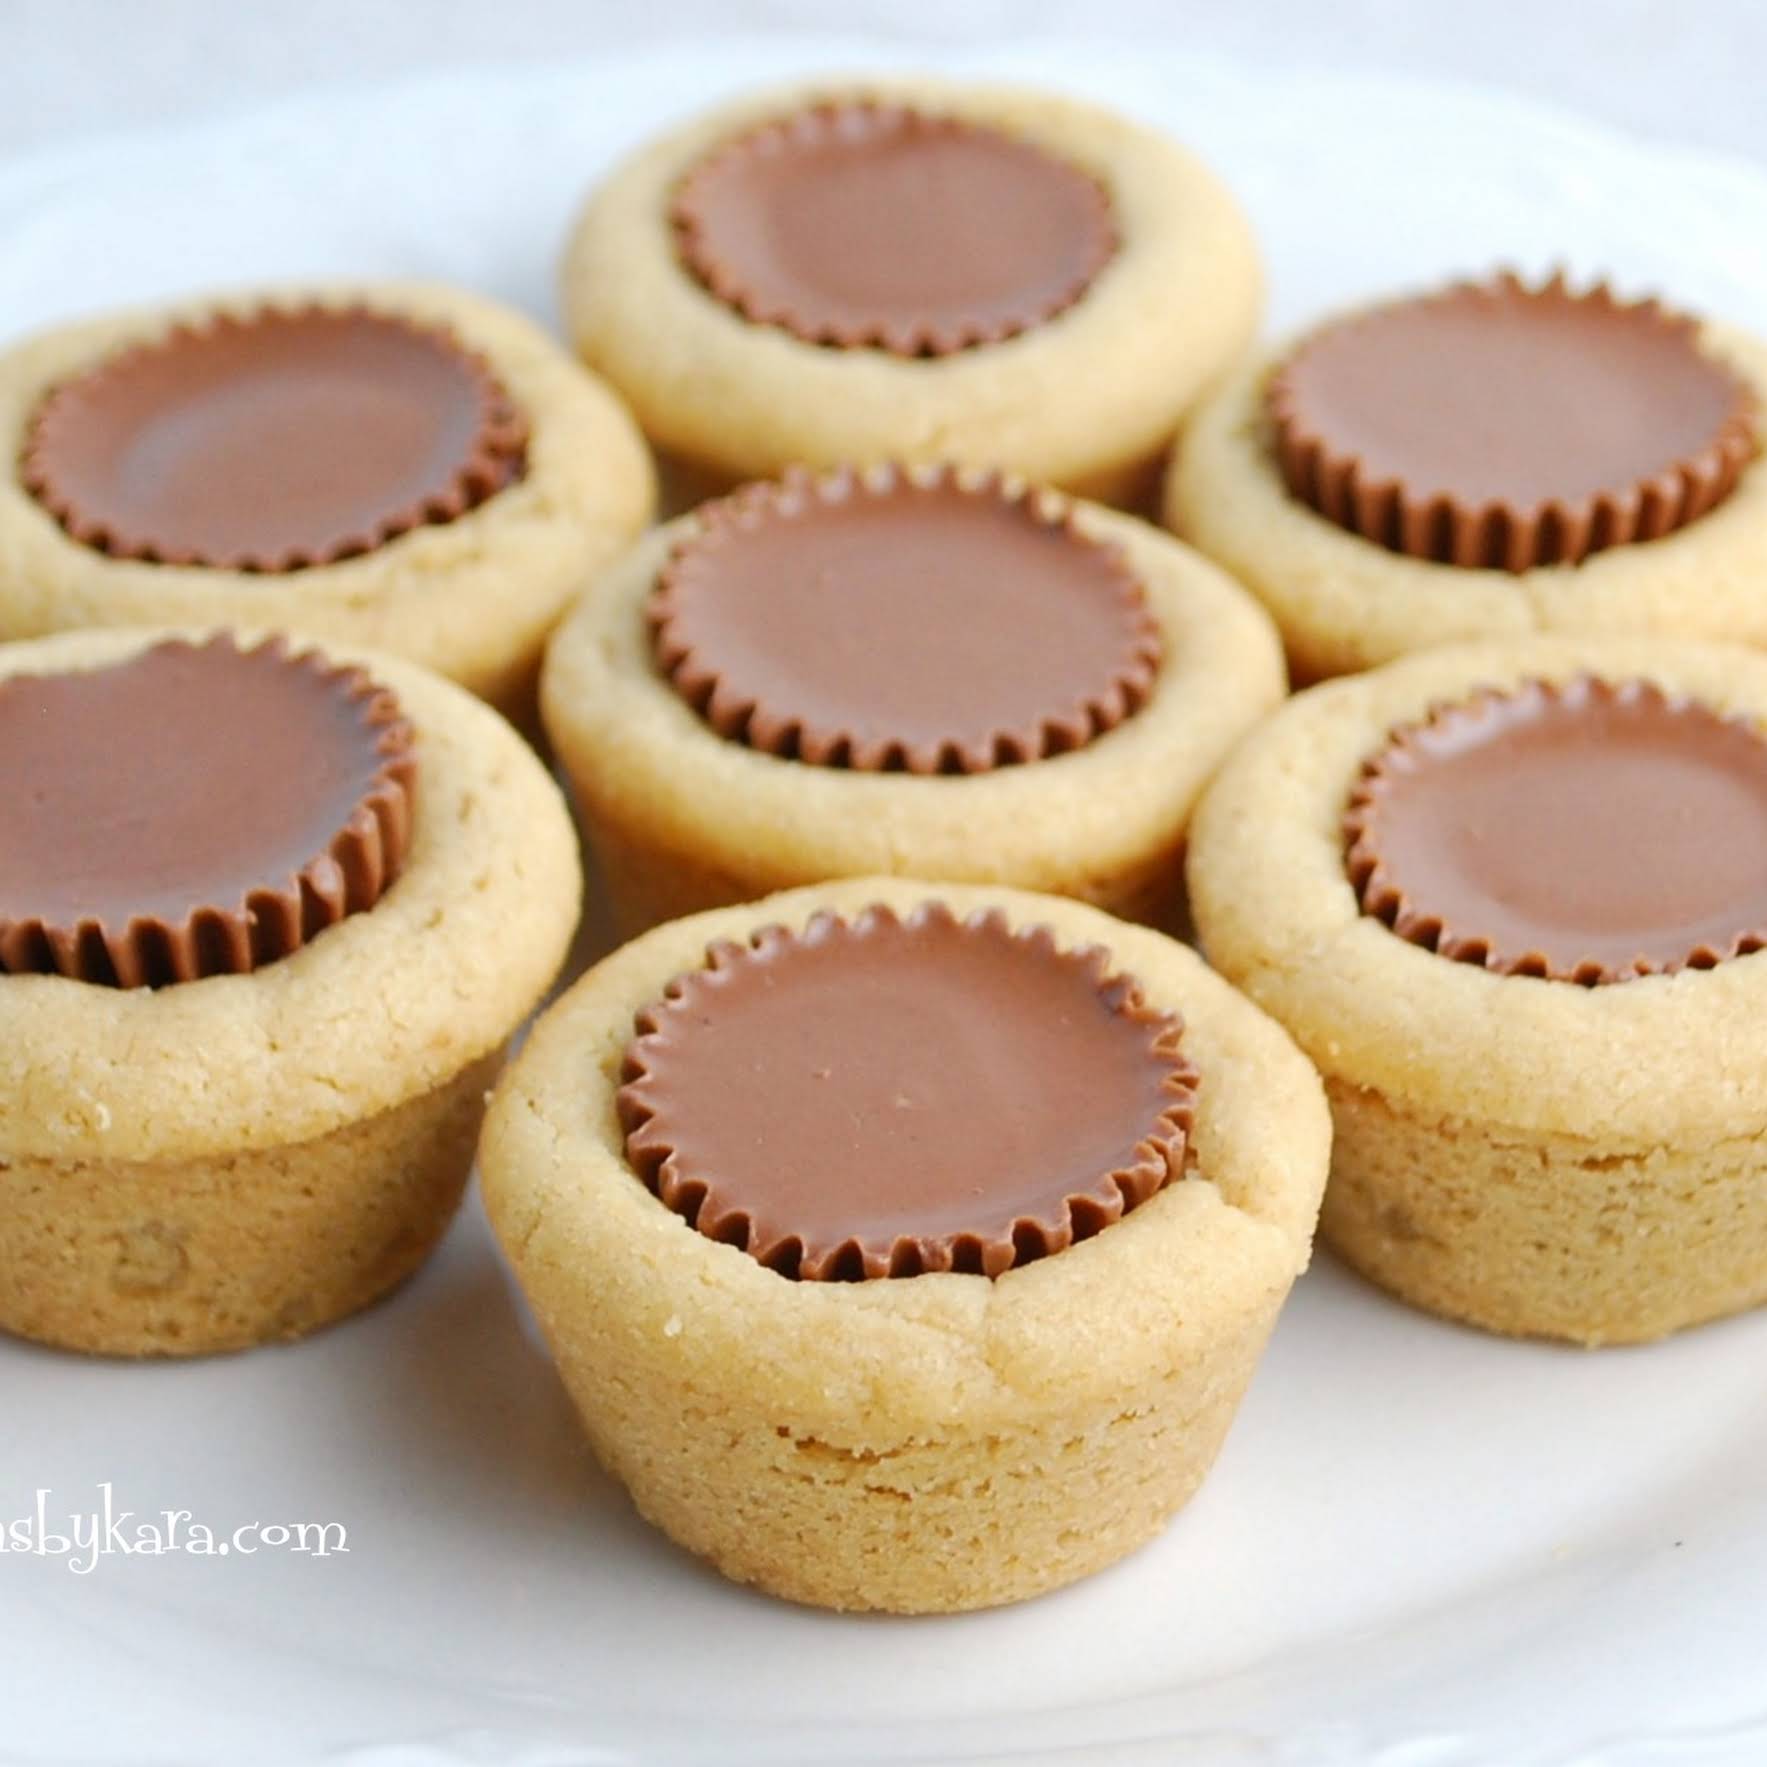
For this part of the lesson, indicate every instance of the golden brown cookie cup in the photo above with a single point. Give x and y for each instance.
(921, 1444)
(1528, 1155)
(1087, 400)
(221, 1162)
(473, 598)
(1345, 603)
(682, 819)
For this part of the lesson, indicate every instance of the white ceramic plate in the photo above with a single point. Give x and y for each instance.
(1422, 1548)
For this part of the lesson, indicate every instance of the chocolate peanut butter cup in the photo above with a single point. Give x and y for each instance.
(1502, 426)
(903, 622)
(273, 441)
(1587, 832)
(194, 810)
(870, 224)
(929, 1086)
(883, 1097)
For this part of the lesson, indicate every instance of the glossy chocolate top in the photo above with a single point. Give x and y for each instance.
(874, 224)
(887, 1097)
(273, 442)
(1492, 424)
(896, 622)
(1587, 832)
(195, 810)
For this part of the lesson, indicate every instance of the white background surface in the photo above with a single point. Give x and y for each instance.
(1680, 70)
(1423, 1548)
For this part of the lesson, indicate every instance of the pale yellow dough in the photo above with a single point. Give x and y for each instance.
(472, 599)
(921, 1444)
(1345, 603)
(682, 819)
(202, 1166)
(1532, 1156)
(1088, 401)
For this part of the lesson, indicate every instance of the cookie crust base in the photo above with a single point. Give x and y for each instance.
(473, 599)
(1345, 604)
(1087, 400)
(1557, 1236)
(190, 1257)
(192, 1168)
(918, 1445)
(682, 819)
(1535, 1157)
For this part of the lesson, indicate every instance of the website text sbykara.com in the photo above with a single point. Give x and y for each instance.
(107, 1529)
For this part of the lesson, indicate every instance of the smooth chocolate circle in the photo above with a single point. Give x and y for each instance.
(1496, 424)
(903, 623)
(196, 809)
(1588, 833)
(876, 224)
(274, 441)
(885, 1097)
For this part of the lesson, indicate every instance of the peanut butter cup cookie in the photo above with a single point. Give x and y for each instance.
(407, 467)
(905, 1246)
(912, 671)
(1484, 461)
(267, 917)
(911, 269)
(1512, 899)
